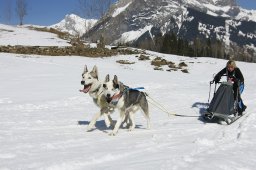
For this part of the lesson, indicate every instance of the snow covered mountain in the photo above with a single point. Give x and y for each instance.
(134, 21)
(74, 24)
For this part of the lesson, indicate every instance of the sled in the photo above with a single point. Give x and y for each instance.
(223, 106)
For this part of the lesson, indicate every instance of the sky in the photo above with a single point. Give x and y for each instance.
(49, 12)
(247, 4)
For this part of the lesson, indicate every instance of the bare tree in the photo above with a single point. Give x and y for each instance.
(8, 11)
(21, 9)
(86, 10)
(94, 9)
(102, 6)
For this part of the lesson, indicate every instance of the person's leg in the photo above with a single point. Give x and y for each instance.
(235, 90)
(241, 105)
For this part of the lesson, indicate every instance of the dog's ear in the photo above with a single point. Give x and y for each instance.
(94, 72)
(115, 80)
(121, 87)
(107, 78)
(85, 69)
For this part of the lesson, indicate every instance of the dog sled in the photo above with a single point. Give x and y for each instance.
(223, 106)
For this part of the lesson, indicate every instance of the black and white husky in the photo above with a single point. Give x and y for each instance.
(93, 86)
(127, 101)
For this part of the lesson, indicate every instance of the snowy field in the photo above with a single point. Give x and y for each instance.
(43, 116)
(21, 35)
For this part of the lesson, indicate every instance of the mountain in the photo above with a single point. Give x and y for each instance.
(74, 24)
(135, 21)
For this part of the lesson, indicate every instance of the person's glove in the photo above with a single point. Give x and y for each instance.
(233, 79)
(216, 79)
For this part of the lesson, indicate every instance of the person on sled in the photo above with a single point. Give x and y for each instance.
(235, 76)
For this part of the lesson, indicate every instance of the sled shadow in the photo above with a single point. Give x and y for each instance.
(202, 109)
(201, 106)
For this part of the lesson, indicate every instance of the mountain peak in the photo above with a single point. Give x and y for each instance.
(74, 25)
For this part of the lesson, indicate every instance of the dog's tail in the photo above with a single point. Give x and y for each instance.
(144, 107)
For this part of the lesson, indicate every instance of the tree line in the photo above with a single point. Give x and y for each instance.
(172, 44)
(196, 48)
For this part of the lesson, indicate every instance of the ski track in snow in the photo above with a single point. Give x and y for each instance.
(48, 132)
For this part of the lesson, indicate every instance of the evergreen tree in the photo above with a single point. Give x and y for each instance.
(166, 44)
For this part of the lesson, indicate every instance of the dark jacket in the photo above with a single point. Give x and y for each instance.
(236, 74)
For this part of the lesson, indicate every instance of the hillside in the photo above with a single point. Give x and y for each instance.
(39, 40)
(24, 36)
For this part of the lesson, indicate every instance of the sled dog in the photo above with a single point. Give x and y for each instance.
(93, 86)
(126, 100)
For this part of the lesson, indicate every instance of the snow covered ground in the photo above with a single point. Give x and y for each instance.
(21, 35)
(43, 117)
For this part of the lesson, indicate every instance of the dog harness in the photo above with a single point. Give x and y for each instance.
(115, 98)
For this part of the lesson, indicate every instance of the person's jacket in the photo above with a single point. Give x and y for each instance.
(236, 74)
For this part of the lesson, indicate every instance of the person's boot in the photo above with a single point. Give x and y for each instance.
(244, 108)
(240, 111)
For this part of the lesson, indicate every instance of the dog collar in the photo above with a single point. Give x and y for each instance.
(115, 98)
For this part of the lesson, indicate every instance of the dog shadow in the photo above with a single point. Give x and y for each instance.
(100, 125)
(202, 109)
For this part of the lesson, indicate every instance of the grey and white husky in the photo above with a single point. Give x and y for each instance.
(93, 86)
(127, 101)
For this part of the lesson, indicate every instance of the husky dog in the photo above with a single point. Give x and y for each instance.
(92, 85)
(126, 100)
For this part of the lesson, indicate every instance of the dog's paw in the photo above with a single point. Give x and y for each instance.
(112, 134)
(127, 126)
(89, 128)
(131, 128)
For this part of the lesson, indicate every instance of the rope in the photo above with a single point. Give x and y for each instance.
(158, 105)
(161, 107)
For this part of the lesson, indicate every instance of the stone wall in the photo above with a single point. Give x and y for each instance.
(63, 51)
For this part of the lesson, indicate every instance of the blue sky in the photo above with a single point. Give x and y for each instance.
(248, 4)
(42, 12)
(48, 12)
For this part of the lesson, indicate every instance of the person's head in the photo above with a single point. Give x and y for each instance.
(231, 65)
